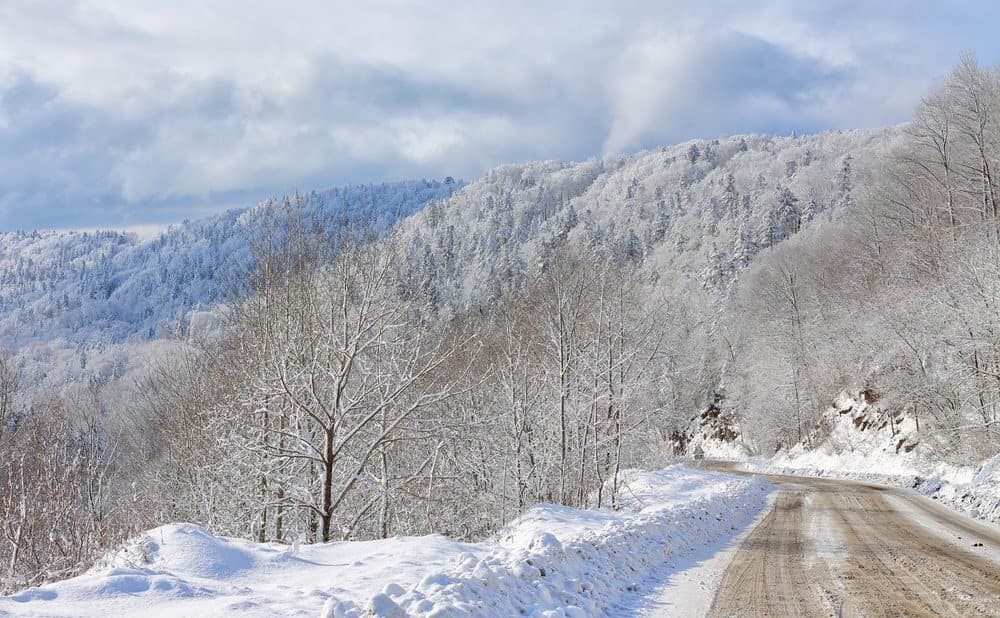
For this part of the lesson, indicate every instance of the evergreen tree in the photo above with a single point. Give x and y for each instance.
(693, 153)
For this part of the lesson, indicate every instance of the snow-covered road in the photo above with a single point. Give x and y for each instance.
(833, 548)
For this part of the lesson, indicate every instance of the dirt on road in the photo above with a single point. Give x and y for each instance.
(835, 548)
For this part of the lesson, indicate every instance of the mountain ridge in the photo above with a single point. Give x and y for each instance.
(694, 213)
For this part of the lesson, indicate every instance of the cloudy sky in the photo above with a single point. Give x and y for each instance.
(141, 113)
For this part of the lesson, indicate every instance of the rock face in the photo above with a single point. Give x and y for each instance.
(863, 436)
(860, 421)
(713, 433)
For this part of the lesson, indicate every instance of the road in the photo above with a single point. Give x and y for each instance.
(836, 548)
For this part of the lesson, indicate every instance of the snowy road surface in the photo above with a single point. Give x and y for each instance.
(839, 548)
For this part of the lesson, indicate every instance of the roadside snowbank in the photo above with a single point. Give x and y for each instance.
(562, 562)
(181, 570)
(553, 561)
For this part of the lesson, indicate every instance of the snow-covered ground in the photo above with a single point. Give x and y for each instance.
(553, 561)
(685, 585)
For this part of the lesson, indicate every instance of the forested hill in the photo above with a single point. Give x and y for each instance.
(92, 289)
(701, 209)
(693, 214)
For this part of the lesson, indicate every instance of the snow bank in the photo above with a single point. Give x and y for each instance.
(556, 561)
(553, 561)
(182, 570)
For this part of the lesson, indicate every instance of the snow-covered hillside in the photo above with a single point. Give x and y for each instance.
(88, 307)
(858, 437)
(694, 213)
(703, 208)
(700, 209)
(553, 560)
(98, 288)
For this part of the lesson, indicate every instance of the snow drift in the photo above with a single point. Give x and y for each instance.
(553, 560)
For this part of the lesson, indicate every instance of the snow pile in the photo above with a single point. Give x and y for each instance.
(552, 561)
(974, 491)
(557, 561)
(182, 570)
(860, 440)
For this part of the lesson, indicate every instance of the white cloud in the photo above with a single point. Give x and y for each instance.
(115, 112)
(704, 82)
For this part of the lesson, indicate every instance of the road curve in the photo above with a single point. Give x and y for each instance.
(837, 548)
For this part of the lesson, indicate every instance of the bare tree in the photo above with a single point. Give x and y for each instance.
(10, 382)
(335, 366)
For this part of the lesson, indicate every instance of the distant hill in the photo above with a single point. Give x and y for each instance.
(701, 210)
(92, 289)
(694, 214)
